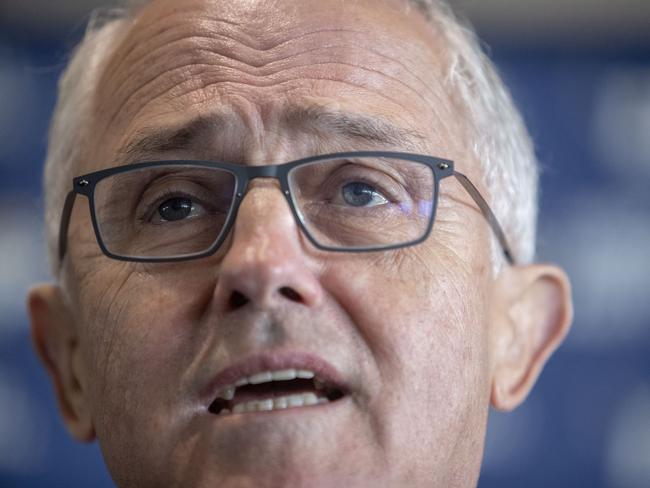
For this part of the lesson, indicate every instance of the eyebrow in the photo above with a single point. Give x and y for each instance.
(353, 127)
(149, 141)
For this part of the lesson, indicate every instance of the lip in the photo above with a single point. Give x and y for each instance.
(257, 363)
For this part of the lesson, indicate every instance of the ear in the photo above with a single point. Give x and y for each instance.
(532, 314)
(55, 338)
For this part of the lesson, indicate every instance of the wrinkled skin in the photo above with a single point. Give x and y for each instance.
(425, 336)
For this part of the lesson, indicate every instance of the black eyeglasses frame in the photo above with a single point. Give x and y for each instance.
(442, 168)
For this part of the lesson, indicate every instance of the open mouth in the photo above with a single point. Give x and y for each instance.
(275, 390)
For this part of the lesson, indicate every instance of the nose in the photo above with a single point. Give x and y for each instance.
(265, 265)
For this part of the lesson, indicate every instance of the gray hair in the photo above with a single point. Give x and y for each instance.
(500, 142)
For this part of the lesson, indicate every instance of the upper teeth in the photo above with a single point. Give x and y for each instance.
(228, 391)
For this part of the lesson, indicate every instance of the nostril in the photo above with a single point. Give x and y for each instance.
(237, 300)
(291, 294)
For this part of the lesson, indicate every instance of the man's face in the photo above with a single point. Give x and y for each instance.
(407, 330)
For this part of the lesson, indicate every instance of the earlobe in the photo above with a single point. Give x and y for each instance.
(55, 339)
(533, 315)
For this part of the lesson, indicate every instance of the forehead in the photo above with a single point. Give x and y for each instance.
(256, 60)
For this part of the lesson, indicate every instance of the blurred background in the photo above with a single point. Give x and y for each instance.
(580, 72)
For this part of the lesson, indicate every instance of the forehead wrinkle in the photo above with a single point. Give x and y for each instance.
(230, 62)
(257, 57)
(141, 51)
(205, 29)
(138, 30)
(371, 130)
(212, 31)
(303, 118)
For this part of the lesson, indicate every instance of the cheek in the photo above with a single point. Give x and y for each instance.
(422, 324)
(142, 334)
(415, 301)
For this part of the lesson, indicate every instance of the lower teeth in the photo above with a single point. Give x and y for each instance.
(269, 404)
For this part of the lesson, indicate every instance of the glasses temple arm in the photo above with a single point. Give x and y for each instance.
(487, 213)
(65, 221)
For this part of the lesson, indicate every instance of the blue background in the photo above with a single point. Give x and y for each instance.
(587, 423)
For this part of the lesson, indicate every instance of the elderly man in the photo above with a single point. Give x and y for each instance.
(293, 246)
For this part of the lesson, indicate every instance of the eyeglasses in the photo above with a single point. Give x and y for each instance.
(167, 211)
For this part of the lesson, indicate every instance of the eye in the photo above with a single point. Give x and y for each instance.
(359, 194)
(177, 208)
